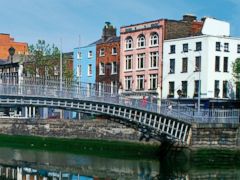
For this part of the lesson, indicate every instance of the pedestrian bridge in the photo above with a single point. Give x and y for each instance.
(156, 121)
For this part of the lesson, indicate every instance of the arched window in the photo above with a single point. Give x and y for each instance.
(141, 41)
(154, 40)
(129, 43)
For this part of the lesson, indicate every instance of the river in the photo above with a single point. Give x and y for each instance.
(42, 165)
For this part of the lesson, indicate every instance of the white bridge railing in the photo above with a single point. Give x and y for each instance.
(106, 94)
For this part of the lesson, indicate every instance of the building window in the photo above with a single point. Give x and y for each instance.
(185, 47)
(218, 46)
(171, 89)
(172, 49)
(153, 81)
(101, 68)
(196, 88)
(90, 54)
(114, 51)
(184, 65)
(114, 67)
(217, 63)
(198, 63)
(225, 64)
(184, 88)
(154, 39)
(140, 82)
(101, 52)
(89, 70)
(141, 60)
(79, 70)
(198, 46)
(153, 59)
(141, 41)
(129, 43)
(226, 47)
(128, 83)
(216, 89)
(128, 64)
(225, 87)
(79, 55)
(238, 48)
(172, 66)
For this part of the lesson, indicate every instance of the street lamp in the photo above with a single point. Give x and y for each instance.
(11, 52)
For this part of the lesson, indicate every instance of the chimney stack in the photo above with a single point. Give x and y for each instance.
(108, 31)
(189, 18)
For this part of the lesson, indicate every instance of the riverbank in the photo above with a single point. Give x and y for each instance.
(104, 148)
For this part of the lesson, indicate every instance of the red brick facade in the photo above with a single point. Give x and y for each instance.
(109, 76)
(6, 42)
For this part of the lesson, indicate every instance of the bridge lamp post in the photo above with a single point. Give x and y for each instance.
(179, 92)
(11, 52)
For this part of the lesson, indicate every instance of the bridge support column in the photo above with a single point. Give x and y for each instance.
(26, 112)
(34, 112)
(30, 112)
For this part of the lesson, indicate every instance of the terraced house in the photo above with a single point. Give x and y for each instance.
(142, 53)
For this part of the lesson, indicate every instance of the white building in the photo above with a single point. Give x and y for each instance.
(207, 58)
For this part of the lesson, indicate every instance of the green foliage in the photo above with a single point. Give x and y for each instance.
(236, 69)
(42, 55)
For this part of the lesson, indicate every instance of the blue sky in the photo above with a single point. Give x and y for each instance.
(52, 20)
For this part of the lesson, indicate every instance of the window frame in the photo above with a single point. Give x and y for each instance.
(172, 69)
(114, 67)
(90, 71)
(154, 38)
(101, 68)
(154, 59)
(140, 82)
(198, 63)
(141, 57)
(128, 83)
(185, 47)
(217, 63)
(114, 52)
(153, 78)
(128, 61)
(129, 43)
(184, 65)
(141, 41)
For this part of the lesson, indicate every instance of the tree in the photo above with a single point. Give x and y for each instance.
(236, 75)
(44, 61)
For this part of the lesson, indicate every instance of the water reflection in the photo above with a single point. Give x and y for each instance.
(39, 165)
(34, 165)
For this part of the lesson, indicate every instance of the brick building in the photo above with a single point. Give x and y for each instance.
(142, 52)
(6, 42)
(108, 57)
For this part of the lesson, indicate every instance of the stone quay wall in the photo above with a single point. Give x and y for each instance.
(201, 135)
(215, 135)
(83, 129)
